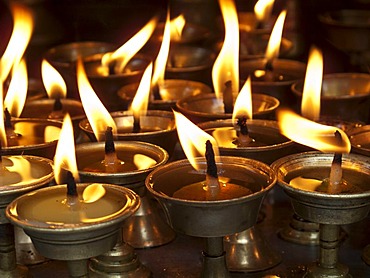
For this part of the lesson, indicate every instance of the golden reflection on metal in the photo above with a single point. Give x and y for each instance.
(143, 161)
(93, 193)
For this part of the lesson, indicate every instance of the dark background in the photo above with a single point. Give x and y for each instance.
(58, 22)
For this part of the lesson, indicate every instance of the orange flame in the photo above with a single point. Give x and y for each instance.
(177, 26)
(17, 91)
(226, 66)
(310, 106)
(139, 104)
(93, 192)
(98, 116)
(21, 35)
(312, 134)
(128, 50)
(273, 46)
(65, 157)
(243, 103)
(3, 140)
(193, 139)
(161, 61)
(263, 9)
(54, 83)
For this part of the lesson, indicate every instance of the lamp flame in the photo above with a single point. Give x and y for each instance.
(21, 35)
(17, 91)
(128, 50)
(3, 140)
(193, 139)
(226, 66)
(161, 61)
(65, 157)
(243, 103)
(312, 134)
(177, 26)
(273, 45)
(310, 106)
(139, 104)
(97, 115)
(263, 9)
(54, 83)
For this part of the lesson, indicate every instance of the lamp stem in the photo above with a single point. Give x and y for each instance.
(7, 248)
(328, 265)
(78, 268)
(214, 264)
(329, 244)
(8, 258)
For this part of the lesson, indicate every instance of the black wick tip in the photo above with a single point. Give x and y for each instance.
(338, 156)
(111, 67)
(228, 97)
(58, 106)
(7, 120)
(269, 66)
(156, 92)
(109, 142)
(71, 185)
(210, 158)
(242, 123)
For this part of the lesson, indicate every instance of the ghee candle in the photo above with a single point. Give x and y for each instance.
(43, 109)
(227, 137)
(153, 122)
(156, 127)
(213, 217)
(33, 132)
(188, 184)
(198, 191)
(268, 143)
(272, 76)
(19, 172)
(310, 171)
(206, 107)
(128, 161)
(171, 90)
(317, 179)
(48, 208)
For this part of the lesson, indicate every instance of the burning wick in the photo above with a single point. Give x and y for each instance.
(243, 136)
(111, 68)
(9, 130)
(269, 71)
(57, 112)
(72, 195)
(332, 185)
(136, 128)
(172, 63)
(111, 162)
(212, 184)
(269, 67)
(335, 179)
(261, 25)
(156, 92)
(228, 97)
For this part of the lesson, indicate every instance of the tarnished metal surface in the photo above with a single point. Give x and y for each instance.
(182, 258)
